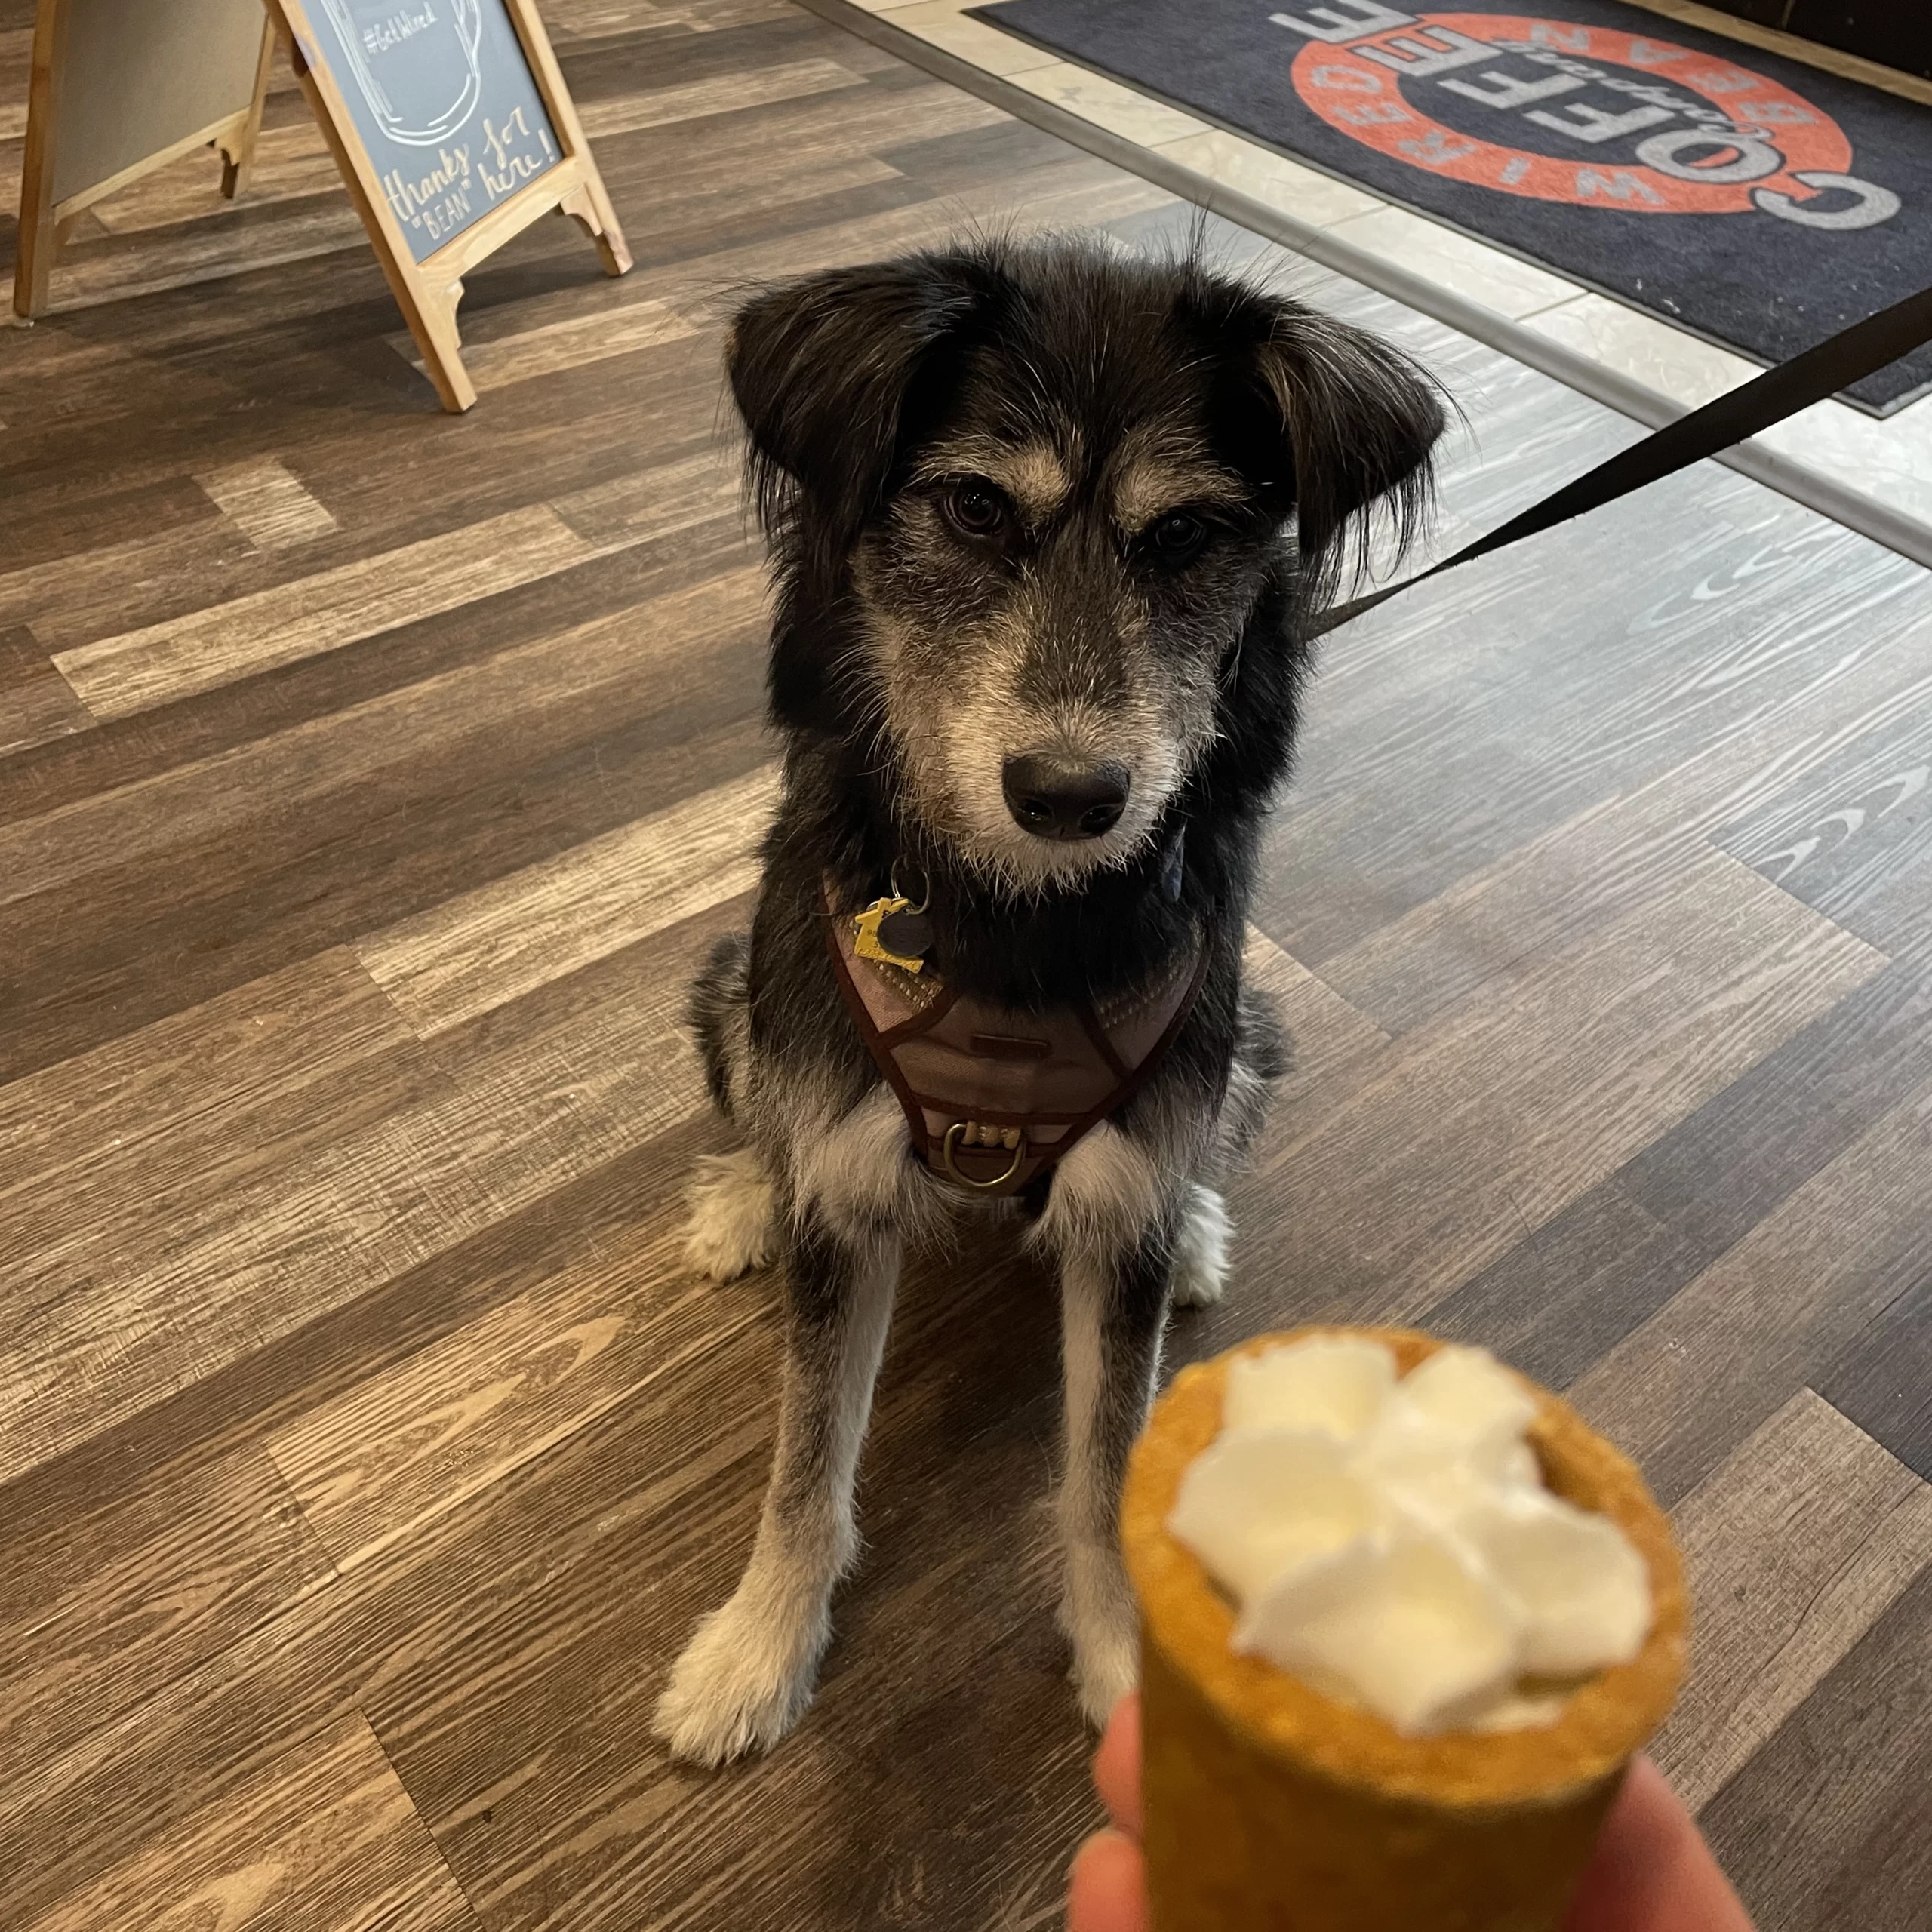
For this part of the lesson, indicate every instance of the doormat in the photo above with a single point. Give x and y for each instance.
(1761, 205)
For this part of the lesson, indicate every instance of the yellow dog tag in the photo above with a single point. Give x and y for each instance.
(866, 940)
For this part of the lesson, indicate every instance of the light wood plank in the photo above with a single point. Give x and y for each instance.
(1825, 1827)
(215, 796)
(1324, 1031)
(496, 362)
(401, 1449)
(114, 1152)
(496, 944)
(161, 663)
(268, 504)
(655, 107)
(204, 251)
(1483, 1124)
(325, 1838)
(658, 501)
(535, 1104)
(290, 162)
(1795, 1545)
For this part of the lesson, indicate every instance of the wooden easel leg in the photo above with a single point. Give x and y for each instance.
(237, 148)
(589, 205)
(39, 241)
(433, 325)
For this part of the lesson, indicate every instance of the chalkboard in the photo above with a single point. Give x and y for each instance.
(444, 103)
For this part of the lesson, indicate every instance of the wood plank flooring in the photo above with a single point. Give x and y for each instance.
(370, 782)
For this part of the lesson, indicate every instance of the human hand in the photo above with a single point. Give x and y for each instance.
(1651, 1871)
(1107, 1891)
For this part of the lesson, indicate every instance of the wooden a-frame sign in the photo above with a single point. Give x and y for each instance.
(449, 119)
(444, 161)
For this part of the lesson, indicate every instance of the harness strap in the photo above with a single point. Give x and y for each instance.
(993, 1097)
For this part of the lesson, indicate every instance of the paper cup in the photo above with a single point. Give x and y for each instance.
(1269, 1805)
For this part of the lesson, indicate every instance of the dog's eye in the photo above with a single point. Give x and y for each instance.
(1177, 536)
(977, 508)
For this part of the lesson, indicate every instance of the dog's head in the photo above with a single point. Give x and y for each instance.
(1027, 499)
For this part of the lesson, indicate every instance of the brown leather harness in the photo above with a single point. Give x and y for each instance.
(994, 1097)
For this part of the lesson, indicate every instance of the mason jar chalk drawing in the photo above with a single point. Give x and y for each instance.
(417, 63)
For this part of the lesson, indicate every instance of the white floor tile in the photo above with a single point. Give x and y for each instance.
(1109, 105)
(943, 23)
(1682, 367)
(1887, 458)
(1249, 169)
(1470, 269)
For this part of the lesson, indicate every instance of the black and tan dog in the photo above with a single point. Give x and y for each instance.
(1044, 521)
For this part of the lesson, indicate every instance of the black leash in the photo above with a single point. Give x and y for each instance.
(1846, 357)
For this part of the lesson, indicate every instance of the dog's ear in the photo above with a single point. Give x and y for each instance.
(1359, 419)
(821, 369)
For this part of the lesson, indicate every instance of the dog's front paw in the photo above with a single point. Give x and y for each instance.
(734, 1224)
(739, 1686)
(1105, 1668)
(1200, 1251)
(1097, 1612)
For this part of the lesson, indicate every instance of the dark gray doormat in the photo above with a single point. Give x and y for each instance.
(1757, 203)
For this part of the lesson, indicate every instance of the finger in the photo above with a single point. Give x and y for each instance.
(1651, 1871)
(1117, 1765)
(1107, 1891)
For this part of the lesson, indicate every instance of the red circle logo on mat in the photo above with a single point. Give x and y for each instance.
(1555, 112)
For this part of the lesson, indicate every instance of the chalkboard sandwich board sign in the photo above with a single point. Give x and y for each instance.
(452, 127)
(118, 88)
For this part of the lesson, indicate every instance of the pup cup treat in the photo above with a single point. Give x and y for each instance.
(1404, 1619)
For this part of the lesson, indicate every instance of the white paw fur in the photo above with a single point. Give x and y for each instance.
(743, 1680)
(1201, 1250)
(734, 1224)
(1097, 1614)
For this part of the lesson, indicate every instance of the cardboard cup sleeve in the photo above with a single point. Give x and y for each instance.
(1271, 1807)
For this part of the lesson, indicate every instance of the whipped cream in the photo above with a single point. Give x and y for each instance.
(1389, 1540)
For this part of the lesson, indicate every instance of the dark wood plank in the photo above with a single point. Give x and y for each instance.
(1722, 1169)
(386, 817)
(1882, 1379)
(1776, 1306)
(36, 703)
(1794, 1546)
(1567, 1293)
(1810, 1829)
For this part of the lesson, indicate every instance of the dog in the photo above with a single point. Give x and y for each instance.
(1045, 522)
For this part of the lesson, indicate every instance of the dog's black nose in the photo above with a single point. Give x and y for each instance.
(1058, 800)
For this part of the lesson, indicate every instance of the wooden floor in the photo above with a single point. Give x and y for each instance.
(372, 779)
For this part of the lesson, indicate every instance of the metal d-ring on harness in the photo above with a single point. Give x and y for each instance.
(972, 1133)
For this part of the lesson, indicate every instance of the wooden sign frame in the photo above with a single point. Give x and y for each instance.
(428, 291)
(45, 222)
